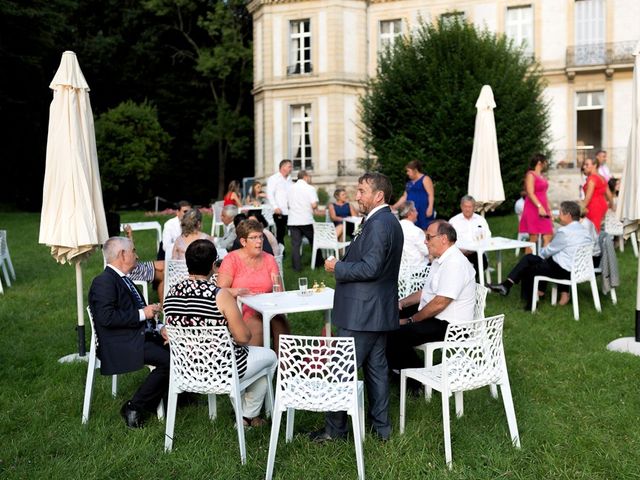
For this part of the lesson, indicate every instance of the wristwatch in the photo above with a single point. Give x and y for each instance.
(409, 320)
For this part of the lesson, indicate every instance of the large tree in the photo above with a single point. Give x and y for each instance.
(214, 38)
(421, 105)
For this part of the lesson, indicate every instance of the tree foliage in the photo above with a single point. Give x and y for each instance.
(421, 105)
(215, 39)
(131, 146)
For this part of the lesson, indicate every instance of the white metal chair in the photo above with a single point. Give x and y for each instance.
(279, 259)
(325, 238)
(411, 278)
(472, 357)
(137, 226)
(93, 364)
(267, 213)
(581, 271)
(203, 361)
(615, 228)
(174, 271)
(5, 260)
(429, 348)
(216, 222)
(319, 374)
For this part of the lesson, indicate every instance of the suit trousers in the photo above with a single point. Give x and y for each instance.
(531, 265)
(297, 232)
(400, 351)
(370, 355)
(281, 226)
(156, 386)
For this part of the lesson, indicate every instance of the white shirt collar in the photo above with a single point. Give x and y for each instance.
(116, 270)
(379, 207)
(447, 252)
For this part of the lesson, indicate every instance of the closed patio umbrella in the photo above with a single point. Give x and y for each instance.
(628, 210)
(73, 222)
(485, 179)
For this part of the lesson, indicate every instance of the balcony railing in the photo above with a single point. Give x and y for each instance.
(572, 159)
(600, 54)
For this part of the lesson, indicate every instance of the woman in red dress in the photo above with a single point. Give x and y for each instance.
(596, 194)
(233, 195)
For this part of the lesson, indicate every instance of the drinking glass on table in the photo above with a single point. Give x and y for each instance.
(276, 281)
(303, 284)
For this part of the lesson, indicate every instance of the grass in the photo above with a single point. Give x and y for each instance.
(577, 404)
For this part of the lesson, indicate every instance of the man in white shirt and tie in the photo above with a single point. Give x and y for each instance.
(278, 186)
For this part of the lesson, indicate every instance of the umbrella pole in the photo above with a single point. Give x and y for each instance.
(630, 344)
(79, 296)
(638, 303)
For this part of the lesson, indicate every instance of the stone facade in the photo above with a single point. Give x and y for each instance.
(312, 59)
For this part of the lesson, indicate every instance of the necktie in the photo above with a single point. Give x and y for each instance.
(140, 303)
(134, 291)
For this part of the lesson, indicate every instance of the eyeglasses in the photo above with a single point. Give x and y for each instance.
(428, 236)
(255, 238)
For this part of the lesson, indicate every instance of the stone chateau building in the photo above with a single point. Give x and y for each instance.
(313, 57)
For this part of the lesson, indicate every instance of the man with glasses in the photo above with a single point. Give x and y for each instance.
(172, 229)
(448, 296)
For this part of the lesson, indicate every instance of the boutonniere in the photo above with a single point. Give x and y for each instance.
(357, 231)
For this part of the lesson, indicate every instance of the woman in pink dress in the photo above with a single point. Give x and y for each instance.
(251, 268)
(536, 216)
(596, 194)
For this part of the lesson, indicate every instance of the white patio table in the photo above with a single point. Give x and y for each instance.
(272, 304)
(355, 220)
(494, 244)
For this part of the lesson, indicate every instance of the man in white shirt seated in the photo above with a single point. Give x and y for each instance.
(414, 249)
(172, 229)
(448, 296)
(555, 260)
(229, 230)
(302, 200)
(471, 228)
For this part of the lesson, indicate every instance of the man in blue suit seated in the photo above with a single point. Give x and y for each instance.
(554, 261)
(128, 338)
(366, 299)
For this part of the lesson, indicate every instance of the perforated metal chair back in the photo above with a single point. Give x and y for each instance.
(174, 271)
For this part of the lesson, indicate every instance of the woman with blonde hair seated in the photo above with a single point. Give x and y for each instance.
(191, 225)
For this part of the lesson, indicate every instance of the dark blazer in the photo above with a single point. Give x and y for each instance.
(117, 322)
(366, 296)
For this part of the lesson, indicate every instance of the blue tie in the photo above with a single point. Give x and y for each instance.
(139, 301)
(134, 291)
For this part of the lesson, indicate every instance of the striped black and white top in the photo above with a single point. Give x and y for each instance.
(192, 303)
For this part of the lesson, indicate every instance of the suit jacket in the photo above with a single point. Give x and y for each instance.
(366, 297)
(117, 323)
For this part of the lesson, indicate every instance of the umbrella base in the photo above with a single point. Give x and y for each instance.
(73, 358)
(625, 345)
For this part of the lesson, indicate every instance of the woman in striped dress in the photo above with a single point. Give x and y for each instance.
(198, 302)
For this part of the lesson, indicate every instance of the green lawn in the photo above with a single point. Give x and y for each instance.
(577, 404)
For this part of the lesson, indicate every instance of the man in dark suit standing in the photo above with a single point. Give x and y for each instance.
(365, 300)
(128, 337)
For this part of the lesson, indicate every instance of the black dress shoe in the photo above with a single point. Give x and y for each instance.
(499, 288)
(132, 418)
(322, 436)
